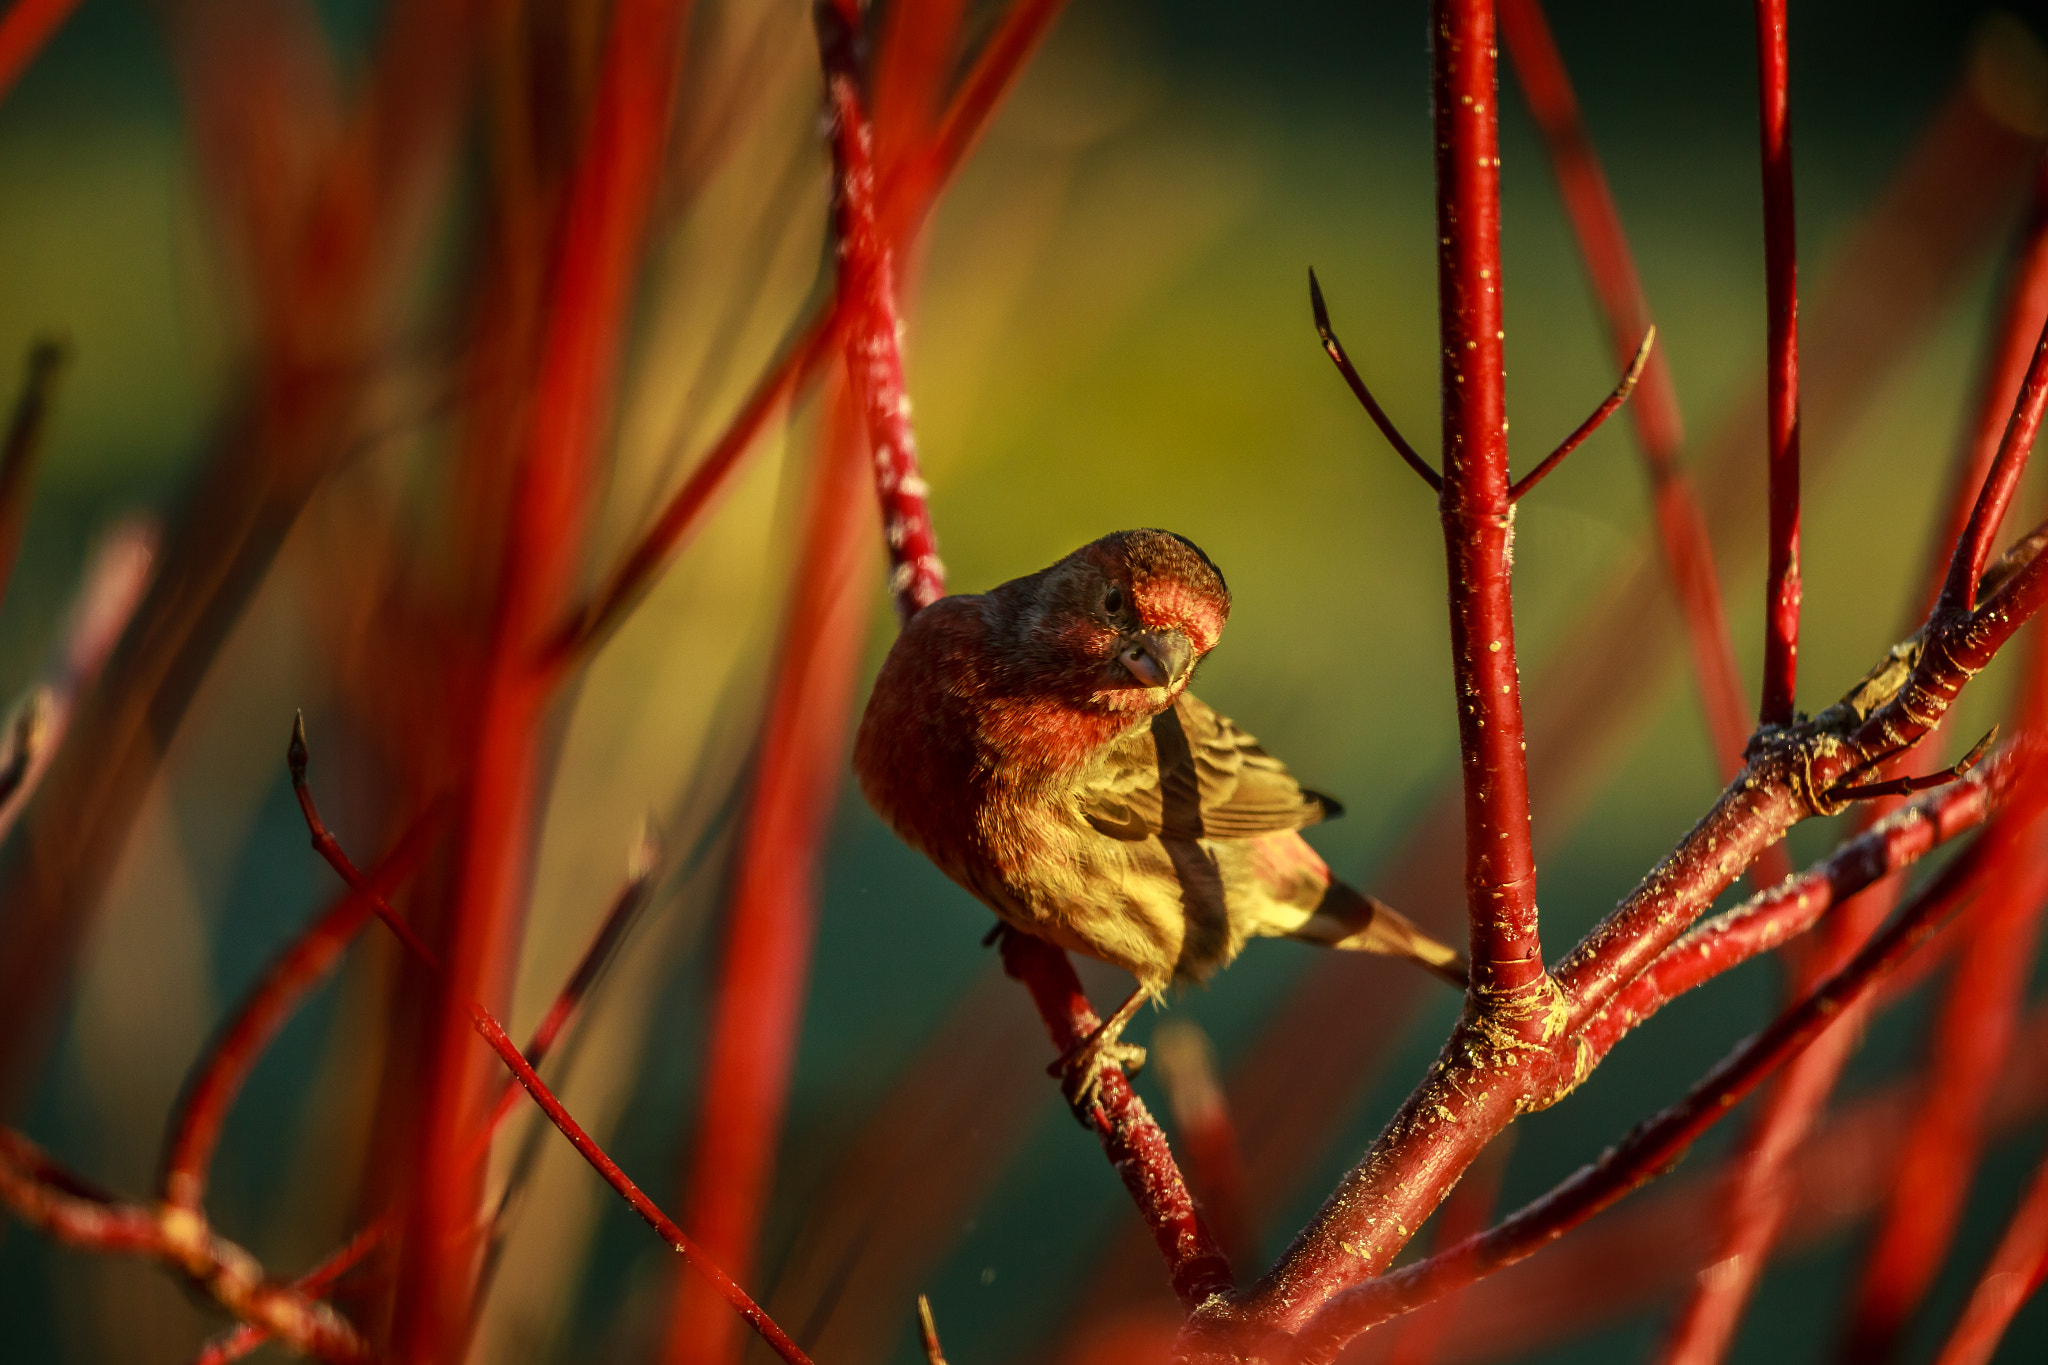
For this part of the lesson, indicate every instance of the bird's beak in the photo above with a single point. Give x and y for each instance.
(1157, 658)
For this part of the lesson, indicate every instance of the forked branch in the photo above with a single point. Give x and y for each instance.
(1622, 390)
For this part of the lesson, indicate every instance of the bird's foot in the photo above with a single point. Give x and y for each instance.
(1080, 1070)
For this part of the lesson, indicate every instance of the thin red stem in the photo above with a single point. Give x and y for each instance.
(1781, 287)
(874, 330)
(27, 27)
(757, 1010)
(2008, 354)
(217, 1078)
(494, 1033)
(1652, 1146)
(1478, 520)
(2015, 1274)
(244, 1337)
(1130, 1137)
(1660, 433)
(57, 1203)
(2001, 482)
(1615, 399)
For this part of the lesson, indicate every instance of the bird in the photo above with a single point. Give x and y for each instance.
(1038, 742)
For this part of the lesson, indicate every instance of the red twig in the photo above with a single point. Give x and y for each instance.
(1464, 1214)
(867, 301)
(1478, 518)
(1023, 27)
(2016, 1272)
(1772, 918)
(1610, 265)
(1973, 547)
(1130, 1137)
(1186, 1067)
(1622, 389)
(217, 1078)
(494, 1033)
(62, 1206)
(1652, 1146)
(244, 1337)
(28, 26)
(1781, 284)
(596, 260)
(1335, 350)
(758, 1007)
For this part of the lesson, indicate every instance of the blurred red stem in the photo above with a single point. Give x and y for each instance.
(1130, 1137)
(26, 431)
(55, 1202)
(218, 1077)
(244, 1337)
(1781, 287)
(29, 25)
(2015, 1274)
(1610, 265)
(494, 1033)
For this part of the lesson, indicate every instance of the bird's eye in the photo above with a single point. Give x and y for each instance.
(1113, 604)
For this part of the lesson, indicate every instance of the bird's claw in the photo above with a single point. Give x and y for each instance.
(1080, 1072)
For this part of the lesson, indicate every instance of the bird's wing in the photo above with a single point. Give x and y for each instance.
(1194, 775)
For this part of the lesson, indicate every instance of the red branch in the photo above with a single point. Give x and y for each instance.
(1335, 350)
(245, 1337)
(874, 331)
(590, 292)
(1654, 1145)
(1781, 285)
(2017, 1270)
(1478, 520)
(493, 1033)
(757, 1013)
(1610, 264)
(217, 1079)
(1772, 918)
(27, 27)
(1130, 1137)
(62, 1206)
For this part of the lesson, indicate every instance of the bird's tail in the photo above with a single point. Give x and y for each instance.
(1349, 919)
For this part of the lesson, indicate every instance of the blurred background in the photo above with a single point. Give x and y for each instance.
(1108, 328)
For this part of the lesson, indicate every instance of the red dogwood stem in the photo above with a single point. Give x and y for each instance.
(217, 1078)
(1131, 1138)
(758, 1007)
(595, 264)
(1652, 1146)
(2011, 350)
(1478, 520)
(28, 26)
(2016, 1272)
(874, 331)
(1660, 433)
(1781, 287)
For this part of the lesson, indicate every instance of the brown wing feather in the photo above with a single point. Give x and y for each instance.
(1192, 775)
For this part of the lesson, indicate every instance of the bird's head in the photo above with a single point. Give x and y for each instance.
(1119, 624)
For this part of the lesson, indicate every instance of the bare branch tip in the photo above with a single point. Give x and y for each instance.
(295, 752)
(1321, 310)
(928, 1332)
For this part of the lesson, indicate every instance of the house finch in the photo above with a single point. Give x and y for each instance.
(1038, 742)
